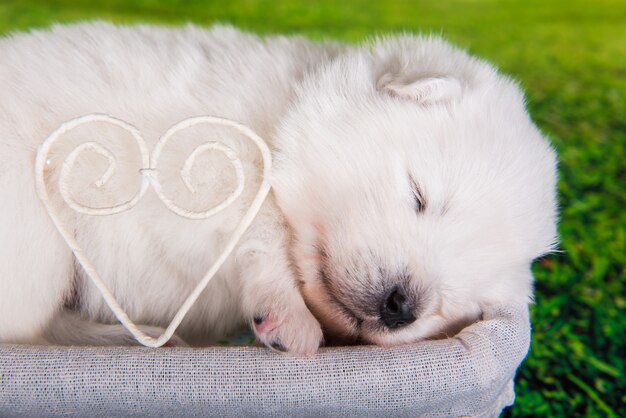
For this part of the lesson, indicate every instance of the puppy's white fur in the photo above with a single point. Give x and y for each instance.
(402, 163)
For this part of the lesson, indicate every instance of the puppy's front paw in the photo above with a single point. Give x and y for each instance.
(290, 331)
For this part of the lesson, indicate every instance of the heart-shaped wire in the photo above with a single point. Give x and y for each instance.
(149, 177)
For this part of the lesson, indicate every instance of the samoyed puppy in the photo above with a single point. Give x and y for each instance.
(410, 187)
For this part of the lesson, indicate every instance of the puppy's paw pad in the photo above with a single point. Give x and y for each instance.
(277, 345)
(293, 333)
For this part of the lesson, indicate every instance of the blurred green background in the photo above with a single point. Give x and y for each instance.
(570, 56)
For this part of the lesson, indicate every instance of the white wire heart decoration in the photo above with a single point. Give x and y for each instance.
(148, 171)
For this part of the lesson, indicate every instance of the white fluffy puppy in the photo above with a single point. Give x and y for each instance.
(410, 187)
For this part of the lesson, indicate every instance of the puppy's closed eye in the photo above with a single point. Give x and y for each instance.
(418, 198)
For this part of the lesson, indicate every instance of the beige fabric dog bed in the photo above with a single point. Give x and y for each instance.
(470, 374)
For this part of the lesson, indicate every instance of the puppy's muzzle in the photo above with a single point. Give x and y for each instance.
(396, 309)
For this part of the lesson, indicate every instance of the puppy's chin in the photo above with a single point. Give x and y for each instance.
(430, 328)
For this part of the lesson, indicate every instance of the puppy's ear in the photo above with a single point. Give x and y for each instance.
(425, 91)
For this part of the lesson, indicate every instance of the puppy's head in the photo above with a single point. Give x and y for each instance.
(417, 188)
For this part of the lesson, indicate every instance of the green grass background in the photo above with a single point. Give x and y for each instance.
(570, 56)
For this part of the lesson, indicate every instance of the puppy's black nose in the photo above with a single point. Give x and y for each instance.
(396, 310)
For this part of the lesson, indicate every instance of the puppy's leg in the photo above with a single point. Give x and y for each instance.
(71, 328)
(270, 295)
(36, 266)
